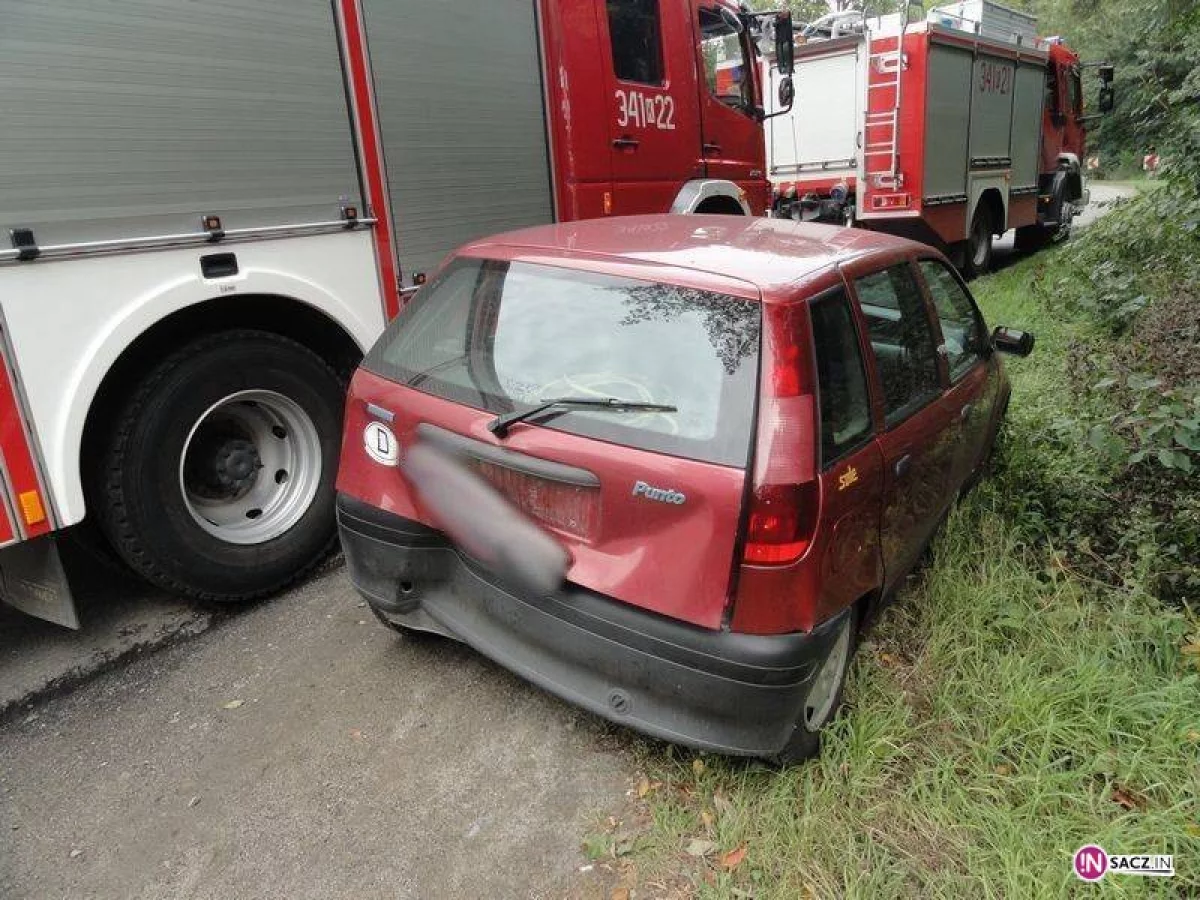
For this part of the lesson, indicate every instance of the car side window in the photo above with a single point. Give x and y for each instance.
(962, 326)
(901, 339)
(841, 378)
(633, 26)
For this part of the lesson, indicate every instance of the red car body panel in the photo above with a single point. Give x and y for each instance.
(624, 555)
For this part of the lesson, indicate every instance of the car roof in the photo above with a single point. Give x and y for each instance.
(772, 255)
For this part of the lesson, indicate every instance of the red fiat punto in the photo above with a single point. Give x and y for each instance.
(738, 435)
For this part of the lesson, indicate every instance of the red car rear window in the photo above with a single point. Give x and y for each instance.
(502, 336)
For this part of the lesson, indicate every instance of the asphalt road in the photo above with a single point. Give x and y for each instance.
(300, 749)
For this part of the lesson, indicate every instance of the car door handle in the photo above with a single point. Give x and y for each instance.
(626, 143)
(965, 412)
(710, 149)
(902, 465)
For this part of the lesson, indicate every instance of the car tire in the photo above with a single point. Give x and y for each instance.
(825, 695)
(217, 481)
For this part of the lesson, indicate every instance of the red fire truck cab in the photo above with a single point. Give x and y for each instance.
(950, 130)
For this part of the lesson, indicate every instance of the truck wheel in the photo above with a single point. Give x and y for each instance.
(978, 255)
(1065, 217)
(1035, 237)
(824, 696)
(217, 481)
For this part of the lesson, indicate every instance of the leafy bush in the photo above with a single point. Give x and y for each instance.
(1155, 46)
(1103, 456)
(1142, 251)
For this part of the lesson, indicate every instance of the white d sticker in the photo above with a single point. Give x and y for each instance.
(381, 444)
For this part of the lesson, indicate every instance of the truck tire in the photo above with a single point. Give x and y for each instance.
(217, 479)
(1066, 217)
(1062, 211)
(977, 254)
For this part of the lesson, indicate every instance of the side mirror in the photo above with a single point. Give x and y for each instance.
(730, 18)
(1108, 98)
(787, 93)
(1013, 341)
(785, 46)
(1106, 73)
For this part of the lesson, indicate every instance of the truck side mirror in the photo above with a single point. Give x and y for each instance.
(787, 92)
(1106, 73)
(785, 47)
(1012, 340)
(1108, 98)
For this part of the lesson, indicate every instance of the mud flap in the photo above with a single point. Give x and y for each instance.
(33, 580)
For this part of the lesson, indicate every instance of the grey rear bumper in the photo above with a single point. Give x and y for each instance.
(732, 693)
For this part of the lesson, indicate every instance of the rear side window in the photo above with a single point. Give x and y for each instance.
(502, 337)
(901, 339)
(633, 27)
(842, 382)
(962, 328)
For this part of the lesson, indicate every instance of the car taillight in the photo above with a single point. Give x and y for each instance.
(785, 499)
(780, 527)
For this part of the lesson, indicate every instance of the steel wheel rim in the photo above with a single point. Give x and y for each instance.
(818, 706)
(250, 467)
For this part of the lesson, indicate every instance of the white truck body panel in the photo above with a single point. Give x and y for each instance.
(820, 135)
(69, 320)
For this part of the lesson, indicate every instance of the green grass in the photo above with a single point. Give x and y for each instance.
(1009, 708)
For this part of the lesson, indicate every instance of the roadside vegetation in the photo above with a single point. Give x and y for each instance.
(1037, 686)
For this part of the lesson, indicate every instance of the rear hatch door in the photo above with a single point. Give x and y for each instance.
(647, 504)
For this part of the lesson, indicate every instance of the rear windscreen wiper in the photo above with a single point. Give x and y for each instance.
(499, 426)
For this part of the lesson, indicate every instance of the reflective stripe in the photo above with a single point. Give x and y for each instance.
(27, 500)
(370, 148)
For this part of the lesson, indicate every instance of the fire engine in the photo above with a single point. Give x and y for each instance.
(950, 130)
(211, 211)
